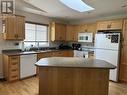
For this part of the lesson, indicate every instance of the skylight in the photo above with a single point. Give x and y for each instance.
(77, 5)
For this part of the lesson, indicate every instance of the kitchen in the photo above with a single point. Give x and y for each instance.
(62, 32)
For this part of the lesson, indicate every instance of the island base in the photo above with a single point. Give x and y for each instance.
(73, 81)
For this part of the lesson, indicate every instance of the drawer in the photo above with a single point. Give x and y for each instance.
(14, 59)
(44, 55)
(13, 78)
(14, 75)
(14, 63)
(14, 69)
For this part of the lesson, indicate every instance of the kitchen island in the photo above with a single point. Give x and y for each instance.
(73, 76)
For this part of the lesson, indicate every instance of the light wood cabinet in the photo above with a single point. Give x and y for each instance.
(68, 53)
(62, 53)
(11, 67)
(71, 34)
(80, 28)
(110, 25)
(58, 31)
(73, 30)
(92, 28)
(123, 61)
(13, 27)
(44, 55)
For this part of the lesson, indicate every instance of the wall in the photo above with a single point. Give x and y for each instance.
(99, 18)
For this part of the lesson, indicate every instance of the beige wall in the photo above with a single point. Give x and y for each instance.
(99, 18)
(34, 17)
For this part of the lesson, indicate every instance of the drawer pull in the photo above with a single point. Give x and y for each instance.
(14, 63)
(14, 70)
(14, 58)
(14, 76)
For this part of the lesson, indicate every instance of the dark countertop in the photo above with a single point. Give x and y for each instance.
(10, 53)
(73, 62)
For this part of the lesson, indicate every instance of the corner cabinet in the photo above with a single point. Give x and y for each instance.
(110, 25)
(13, 27)
(58, 31)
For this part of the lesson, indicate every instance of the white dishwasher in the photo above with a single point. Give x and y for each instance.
(27, 65)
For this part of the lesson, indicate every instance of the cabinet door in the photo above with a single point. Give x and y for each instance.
(44, 55)
(102, 25)
(110, 25)
(14, 27)
(123, 59)
(68, 53)
(62, 32)
(92, 28)
(81, 28)
(58, 54)
(20, 27)
(70, 33)
(58, 31)
(124, 44)
(10, 27)
(116, 24)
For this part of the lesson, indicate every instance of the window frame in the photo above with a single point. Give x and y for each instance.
(47, 25)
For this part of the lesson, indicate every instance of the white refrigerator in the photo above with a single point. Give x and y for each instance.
(107, 47)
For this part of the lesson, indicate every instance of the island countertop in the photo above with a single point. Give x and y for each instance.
(74, 62)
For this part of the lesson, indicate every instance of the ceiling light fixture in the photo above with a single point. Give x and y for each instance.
(77, 5)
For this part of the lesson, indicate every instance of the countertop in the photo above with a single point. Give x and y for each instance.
(10, 53)
(73, 62)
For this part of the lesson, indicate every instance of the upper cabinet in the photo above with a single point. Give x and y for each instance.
(110, 25)
(73, 30)
(58, 31)
(80, 28)
(13, 27)
(71, 34)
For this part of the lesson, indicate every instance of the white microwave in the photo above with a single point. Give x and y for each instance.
(85, 37)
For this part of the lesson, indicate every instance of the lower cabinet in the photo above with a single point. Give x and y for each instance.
(11, 67)
(22, 66)
(62, 53)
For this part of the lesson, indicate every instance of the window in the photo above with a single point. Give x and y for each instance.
(77, 5)
(36, 35)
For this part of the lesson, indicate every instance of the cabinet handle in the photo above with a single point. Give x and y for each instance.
(13, 58)
(14, 63)
(109, 26)
(13, 70)
(14, 76)
(16, 36)
(60, 38)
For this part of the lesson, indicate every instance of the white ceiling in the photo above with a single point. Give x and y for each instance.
(55, 9)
